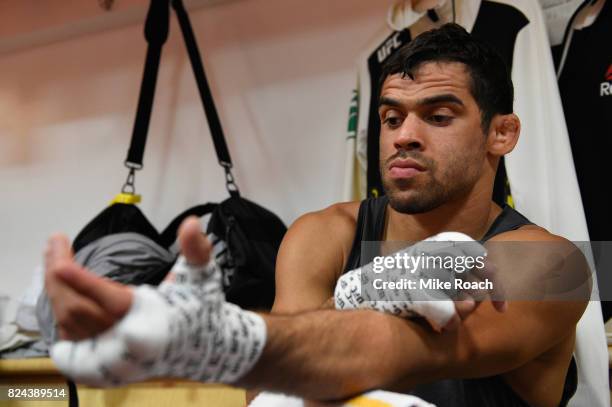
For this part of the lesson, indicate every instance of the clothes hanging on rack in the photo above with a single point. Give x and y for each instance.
(586, 93)
(557, 14)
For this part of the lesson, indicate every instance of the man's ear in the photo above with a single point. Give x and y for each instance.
(503, 134)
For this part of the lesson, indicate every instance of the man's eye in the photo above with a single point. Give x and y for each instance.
(440, 119)
(393, 121)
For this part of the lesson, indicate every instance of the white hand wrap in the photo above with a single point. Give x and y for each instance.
(354, 291)
(182, 329)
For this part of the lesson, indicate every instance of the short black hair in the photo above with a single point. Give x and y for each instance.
(491, 84)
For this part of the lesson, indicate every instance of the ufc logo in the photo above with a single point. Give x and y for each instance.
(391, 44)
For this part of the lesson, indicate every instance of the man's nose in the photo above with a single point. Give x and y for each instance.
(409, 135)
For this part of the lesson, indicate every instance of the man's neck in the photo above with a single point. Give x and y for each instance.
(472, 216)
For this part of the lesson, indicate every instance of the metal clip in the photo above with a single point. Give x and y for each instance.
(230, 182)
(129, 187)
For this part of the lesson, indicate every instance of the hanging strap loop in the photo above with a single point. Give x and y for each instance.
(156, 34)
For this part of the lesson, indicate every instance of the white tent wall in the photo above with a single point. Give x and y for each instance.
(281, 72)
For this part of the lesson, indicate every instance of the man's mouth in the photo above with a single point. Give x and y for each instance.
(402, 169)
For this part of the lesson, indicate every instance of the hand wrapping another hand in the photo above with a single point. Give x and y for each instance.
(441, 308)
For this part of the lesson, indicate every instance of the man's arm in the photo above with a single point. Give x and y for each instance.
(332, 354)
(335, 354)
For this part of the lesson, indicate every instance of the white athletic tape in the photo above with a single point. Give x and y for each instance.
(182, 329)
(355, 291)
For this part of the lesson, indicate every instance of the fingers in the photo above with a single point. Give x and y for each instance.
(58, 256)
(193, 265)
(84, 304)
(451, 325)
(76, 315)
(488, 272)
(468, 246)
(54, 286)
(114, 298)
(439, 313)
(465, 305)
(58, 251)
(501, 306)
(194, 245)
(79, 318)
(497, 293)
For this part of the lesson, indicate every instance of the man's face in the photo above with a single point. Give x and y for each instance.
(432, 147)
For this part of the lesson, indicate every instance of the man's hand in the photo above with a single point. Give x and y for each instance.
(83, 303)
(443, 309)
(182, 329)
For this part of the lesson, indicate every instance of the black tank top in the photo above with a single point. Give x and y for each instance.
(482, 392)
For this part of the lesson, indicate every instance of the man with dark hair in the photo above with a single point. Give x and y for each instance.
(489, 79)
(446, 119)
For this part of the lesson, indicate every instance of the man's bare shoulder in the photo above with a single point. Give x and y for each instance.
(343, 214)
(336, 222)
(542, 259)
(332, 228)
(535, 242)
(532, 233)
(312, 256)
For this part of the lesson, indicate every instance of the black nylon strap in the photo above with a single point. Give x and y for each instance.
(156, 33)
(212, 116)
(73, 394)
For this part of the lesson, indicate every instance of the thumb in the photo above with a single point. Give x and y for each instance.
(194, 245)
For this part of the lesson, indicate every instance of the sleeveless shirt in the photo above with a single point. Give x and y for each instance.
(490, 391)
